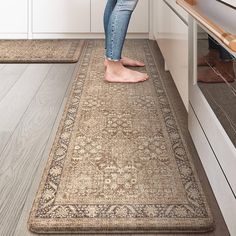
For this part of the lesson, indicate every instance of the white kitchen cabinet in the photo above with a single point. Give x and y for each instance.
(211, 123)
(61, 16)
(179, 10)
(63, 19)
(139, 22)
(13, 16)
(171, 33)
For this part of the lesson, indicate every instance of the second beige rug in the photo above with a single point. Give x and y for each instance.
(40, 51)
(119, 162)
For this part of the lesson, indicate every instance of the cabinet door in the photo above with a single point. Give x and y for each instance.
(61, 16)
(139, 22)
(172, 38)
(13, 16)
(178, 9)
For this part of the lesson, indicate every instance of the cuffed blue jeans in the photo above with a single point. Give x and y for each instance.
(116, 20)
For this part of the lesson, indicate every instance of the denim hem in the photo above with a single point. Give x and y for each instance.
(110, 59)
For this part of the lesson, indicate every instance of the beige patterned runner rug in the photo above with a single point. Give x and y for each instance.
(119, 162)
(40, 51)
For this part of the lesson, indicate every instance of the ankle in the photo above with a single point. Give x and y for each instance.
(114, 66)
(213, 53)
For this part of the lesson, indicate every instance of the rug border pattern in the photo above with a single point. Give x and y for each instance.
(205, 224)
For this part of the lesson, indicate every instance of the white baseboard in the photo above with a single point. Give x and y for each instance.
(13, 36)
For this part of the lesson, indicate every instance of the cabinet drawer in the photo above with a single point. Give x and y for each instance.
(61, 16)
(219, 183)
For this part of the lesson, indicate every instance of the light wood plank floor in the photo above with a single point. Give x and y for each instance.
(28, 112)
(32, 99)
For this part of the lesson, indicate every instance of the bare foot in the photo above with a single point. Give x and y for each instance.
(211, 58)
(225, 73)
(117, 73)
(128, 62)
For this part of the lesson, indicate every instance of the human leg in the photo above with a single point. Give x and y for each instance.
(212, 55)
(216, 52)
(221, 61)
(116, 33)
(223, 53)
(224, 62)
(107, 13)
(117, 28)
